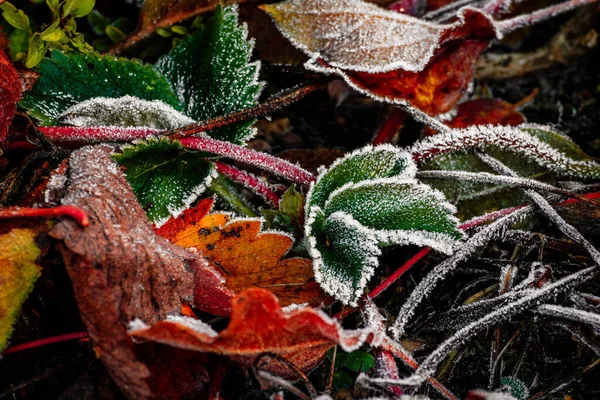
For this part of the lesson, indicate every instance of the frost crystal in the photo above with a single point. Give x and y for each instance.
(359, 36)
(126, 111)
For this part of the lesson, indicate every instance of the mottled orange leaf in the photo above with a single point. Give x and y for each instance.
(258, 325)
(165, 13)
(10, 93)
(244, 257)
(18, 273)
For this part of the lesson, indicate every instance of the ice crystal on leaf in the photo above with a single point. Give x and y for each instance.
(68, 79)
(212, 75)
(126, 111)
(164, 176)
(366, 200)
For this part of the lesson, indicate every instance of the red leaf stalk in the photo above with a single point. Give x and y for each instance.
(61, 211)
(248, 180)
(50, 340)
(263, 161)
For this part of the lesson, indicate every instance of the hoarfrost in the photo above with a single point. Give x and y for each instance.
(194, 324)
(126, 111)
(359, 36)
(508, 138)
(571, 314)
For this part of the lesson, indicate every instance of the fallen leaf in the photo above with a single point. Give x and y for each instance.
(258, 325)
(18, 273)
(10, 93)
(164, 13)
(237, 251)
(387, 55)
(120, 269)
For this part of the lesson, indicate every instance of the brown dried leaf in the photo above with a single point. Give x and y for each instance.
(120, 269)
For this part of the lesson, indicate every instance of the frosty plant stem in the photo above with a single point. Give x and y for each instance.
(249, 180)
(61, 211)
(512, 24)
(263, 161)
(275, 102)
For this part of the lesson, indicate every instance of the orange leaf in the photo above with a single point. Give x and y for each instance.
(239, 253)
(258, 325)
(10, 93)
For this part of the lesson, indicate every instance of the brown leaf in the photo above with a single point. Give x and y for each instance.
(387, 55)
(120, 269)
(244, 257)
(10, 93)
(165, 13)
(259, 325)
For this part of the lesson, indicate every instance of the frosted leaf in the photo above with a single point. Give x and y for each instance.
(192, 323)
(344, 265)
(211, 73)
(165, 178)
(364, 201)
(126, 111)
(359, 36)
(542, 146)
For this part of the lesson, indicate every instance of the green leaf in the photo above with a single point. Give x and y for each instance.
(367, 200)
(515, 387)
(67, 79)
(115, 34)
(212, 73)
(78, 8)
(18, 43)
(164, 176)
(366, 163)
(342, 380)
(396, 205)
(53, 33)
(36, 51)
(98, 22)
(18, 255)
(357, 361)
(15, 17)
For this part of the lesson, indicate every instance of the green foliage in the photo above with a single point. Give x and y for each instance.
(67, 79)
(515, 387)
(288, 215)
(345, 363)
(61, 33)
(212, 75)
(477, 198)
(164, 176)
(364, 201)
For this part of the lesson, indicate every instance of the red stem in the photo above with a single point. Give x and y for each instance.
(96, 134)
(61, 211)
(43, 342)
(263, 161)
(249, 181)
(393, 123)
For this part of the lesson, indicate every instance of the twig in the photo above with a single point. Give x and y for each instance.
(275, 102)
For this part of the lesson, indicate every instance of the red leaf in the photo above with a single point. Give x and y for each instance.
(259, 325)
(10, 93)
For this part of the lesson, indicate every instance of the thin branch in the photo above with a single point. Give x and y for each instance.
(275, 102)
(535, 17)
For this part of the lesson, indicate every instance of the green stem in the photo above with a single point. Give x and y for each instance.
(228, 193)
